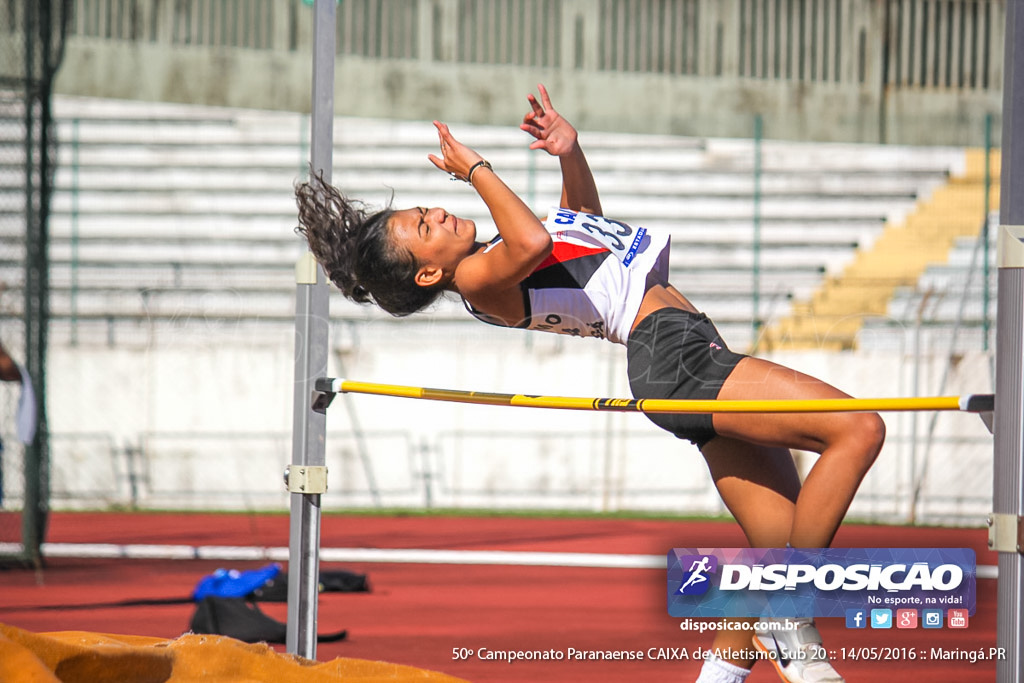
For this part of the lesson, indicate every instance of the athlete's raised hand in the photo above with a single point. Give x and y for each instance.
(554, 134)
(456, 158)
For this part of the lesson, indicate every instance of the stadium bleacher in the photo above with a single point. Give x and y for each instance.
(948, 298)
(180, 219)
(166, 210)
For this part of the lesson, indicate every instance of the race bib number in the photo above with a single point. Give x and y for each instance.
(622, 240)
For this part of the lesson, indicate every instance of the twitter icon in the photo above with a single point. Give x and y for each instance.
(881, 618)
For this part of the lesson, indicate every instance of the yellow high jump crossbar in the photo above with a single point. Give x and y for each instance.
(328, 387)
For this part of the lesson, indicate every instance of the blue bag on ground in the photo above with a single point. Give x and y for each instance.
(231, 583)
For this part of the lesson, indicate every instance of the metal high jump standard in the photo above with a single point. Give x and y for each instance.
(1006, 534)
(306, 477)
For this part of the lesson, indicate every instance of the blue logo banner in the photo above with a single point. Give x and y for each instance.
(827, 582)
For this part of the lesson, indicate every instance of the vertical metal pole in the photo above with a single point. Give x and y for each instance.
(311, 333)
(74, 230)
(38, 23)
(758, 125)
(31, 536)
(986, 268)
(1009, 418)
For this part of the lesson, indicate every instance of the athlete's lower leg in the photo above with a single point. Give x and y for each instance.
(830, 486)
(848, 443)
(759, 486)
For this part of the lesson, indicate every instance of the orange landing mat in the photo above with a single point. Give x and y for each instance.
(73, 656)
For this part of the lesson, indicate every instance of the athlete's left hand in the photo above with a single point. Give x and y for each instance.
(456, 158)
(554, 134)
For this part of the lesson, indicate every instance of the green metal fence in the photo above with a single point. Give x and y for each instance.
(919, 43)
(32, 43)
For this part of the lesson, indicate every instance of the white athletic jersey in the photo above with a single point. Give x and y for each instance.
(593, 282)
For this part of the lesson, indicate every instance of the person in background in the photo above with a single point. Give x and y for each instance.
(9, 371)
(12, 371)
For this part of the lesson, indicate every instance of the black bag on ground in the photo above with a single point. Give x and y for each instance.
(332, 581)
(240, 619)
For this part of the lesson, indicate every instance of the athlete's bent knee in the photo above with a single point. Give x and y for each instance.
(868, 432)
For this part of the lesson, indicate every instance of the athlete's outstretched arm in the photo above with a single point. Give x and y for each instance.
(557, 137)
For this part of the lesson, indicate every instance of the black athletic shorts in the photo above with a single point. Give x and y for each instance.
(677, 354)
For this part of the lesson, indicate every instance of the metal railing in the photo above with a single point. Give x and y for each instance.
(608, 470)
(954, 44)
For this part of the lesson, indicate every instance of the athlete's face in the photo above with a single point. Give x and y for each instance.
(437, 239)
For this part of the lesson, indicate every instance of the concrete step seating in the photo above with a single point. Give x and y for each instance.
(937, 301)
(897, 261)
(153, 198)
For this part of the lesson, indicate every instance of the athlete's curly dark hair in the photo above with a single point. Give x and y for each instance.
(353, 244)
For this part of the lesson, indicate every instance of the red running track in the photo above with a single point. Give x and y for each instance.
(419, 614)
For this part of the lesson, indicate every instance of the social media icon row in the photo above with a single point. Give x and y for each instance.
(905, 618)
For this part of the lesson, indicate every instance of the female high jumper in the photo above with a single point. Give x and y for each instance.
(582, 274)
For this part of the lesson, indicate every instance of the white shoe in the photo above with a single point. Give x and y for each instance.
(796, 652)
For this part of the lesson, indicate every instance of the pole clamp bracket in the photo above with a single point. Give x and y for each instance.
(324, 392)
(306, 478)
(306, 270)
(1005, 533)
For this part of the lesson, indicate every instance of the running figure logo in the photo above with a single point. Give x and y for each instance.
(696, 570)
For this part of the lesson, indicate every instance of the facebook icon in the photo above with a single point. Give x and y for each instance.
(856, 618)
